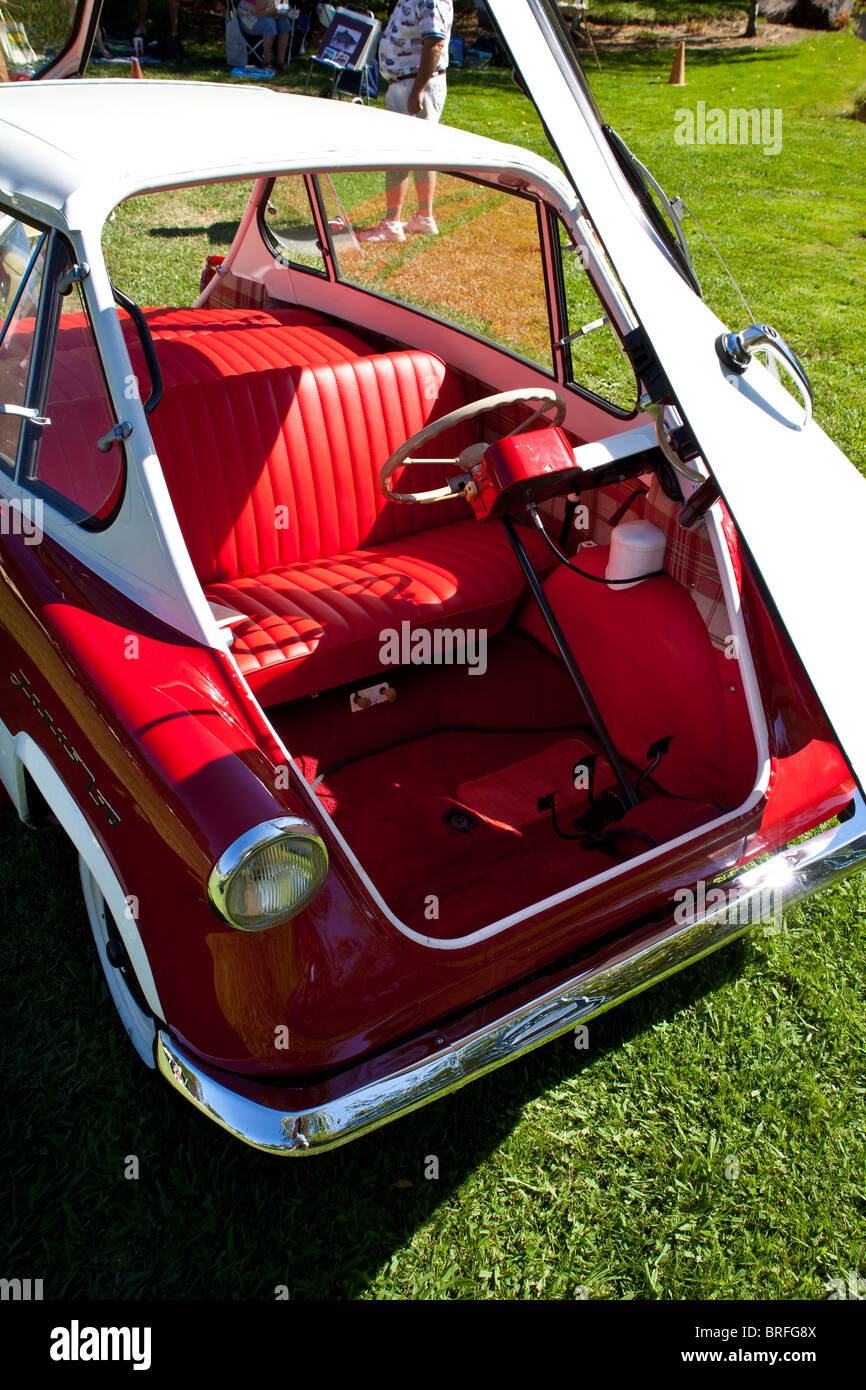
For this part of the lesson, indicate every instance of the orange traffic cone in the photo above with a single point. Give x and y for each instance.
(134, 67)
(678, 71)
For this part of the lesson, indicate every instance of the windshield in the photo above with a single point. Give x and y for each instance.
(661, 211)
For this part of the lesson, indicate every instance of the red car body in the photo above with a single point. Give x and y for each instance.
(157, 745)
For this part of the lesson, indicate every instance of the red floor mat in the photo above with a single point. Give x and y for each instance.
(390, 807)
(510, 795)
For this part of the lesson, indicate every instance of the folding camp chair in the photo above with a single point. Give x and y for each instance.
(254, 42)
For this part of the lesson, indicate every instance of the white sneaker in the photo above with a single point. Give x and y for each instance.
(383, 231)
(421, 226)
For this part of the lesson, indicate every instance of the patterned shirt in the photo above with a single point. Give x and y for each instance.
(411, 22)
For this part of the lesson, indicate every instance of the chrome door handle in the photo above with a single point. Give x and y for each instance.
(26, 413)
(735, 351)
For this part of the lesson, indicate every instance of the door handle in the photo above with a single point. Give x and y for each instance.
(735, 351)
(26, 413)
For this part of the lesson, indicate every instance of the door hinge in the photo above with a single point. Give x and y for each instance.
(73, 276)
(646, 366)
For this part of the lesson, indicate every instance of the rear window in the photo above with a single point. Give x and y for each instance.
(289, 226)
(156, 244)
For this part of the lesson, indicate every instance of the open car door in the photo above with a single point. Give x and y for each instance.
(799, 504)
(40, 39)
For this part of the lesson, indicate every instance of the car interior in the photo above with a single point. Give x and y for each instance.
(471, 784)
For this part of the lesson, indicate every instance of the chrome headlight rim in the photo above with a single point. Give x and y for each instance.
(244, 848)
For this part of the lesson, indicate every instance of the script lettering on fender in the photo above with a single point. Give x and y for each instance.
(20, 681)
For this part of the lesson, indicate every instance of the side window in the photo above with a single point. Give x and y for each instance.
(22, 267)
(598, 361)
(288, 222)
(66, 465)
(482, 270)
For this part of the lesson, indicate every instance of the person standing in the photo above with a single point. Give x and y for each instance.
(173, 7)
(170, 46)
(413, 57)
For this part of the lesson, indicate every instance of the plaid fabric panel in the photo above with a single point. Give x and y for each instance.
(232, 292)
(604, 505)
(689, 558)
(505, 418)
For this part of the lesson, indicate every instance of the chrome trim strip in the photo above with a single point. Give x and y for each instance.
(789, 876)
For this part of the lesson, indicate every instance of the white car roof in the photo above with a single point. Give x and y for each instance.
(80, 147)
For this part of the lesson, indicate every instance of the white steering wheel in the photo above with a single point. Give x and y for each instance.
(471, 455)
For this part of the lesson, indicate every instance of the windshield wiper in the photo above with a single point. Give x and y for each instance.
(643, 185)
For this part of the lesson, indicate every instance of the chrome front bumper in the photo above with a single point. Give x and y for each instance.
(751, 896)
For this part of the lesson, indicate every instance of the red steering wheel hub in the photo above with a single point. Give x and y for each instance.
(521, 469)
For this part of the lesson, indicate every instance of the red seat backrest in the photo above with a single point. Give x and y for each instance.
(194, 344)
(269, 468)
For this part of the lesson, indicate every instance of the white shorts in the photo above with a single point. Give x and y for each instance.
(432, 101)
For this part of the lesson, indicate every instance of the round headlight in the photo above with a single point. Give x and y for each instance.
(269, 874)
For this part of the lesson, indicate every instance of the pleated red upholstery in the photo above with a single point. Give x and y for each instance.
(318, 624)
(274, 477)
(271, 468)
(199, 344)
(195, 344)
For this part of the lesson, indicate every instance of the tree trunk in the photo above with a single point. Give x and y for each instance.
(752, 25)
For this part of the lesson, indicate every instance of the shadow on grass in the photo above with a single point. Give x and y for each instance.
(658, 59)
(218, 233)
(208, 1217)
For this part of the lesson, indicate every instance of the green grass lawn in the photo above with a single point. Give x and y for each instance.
(669, 12)
(709, 1143)
(791, 226)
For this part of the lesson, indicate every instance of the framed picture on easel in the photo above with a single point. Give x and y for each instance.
(348, 40)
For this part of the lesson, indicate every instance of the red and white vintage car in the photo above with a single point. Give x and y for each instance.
(423, 650)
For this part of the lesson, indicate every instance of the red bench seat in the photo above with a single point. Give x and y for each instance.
(196, 345)
(274, 478)
(320, 623)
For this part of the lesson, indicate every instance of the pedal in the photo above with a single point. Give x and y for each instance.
(606, 810)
